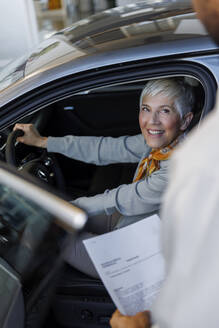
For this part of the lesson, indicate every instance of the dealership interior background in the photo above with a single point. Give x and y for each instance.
(27, 22)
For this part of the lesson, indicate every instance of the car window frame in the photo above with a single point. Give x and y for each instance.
(78, 83)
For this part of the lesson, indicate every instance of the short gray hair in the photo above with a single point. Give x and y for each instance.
(173, 88)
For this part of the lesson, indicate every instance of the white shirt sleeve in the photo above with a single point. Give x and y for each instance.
(190, 295)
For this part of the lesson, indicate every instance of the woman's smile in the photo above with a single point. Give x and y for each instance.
(155, 133)
(159, 121)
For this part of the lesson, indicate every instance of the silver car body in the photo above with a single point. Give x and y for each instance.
(151, 30)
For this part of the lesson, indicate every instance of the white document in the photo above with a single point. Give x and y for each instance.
(130, 264)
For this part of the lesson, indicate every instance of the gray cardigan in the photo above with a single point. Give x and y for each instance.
(133, 201)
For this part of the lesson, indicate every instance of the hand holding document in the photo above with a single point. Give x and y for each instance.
(130, 264)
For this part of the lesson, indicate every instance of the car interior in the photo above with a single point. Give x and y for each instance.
(112, 110)
(108, 111)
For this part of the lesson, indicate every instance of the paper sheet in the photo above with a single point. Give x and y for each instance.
(130, 264)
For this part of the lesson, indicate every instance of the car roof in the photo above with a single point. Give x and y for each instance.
(145, 30)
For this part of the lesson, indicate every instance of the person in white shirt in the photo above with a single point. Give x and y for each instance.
(189, 297)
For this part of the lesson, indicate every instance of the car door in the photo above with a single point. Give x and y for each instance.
(33, 225)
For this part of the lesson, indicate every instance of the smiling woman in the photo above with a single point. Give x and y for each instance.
(164, 115)
(159, 121)
(166, 111)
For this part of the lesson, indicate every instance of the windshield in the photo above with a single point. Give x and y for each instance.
(13, 72)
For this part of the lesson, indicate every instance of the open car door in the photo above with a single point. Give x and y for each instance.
(33, 225)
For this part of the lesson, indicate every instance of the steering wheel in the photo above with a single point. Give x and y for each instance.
(45, 167)
(10, 147)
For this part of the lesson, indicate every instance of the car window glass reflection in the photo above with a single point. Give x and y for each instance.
(17, 211)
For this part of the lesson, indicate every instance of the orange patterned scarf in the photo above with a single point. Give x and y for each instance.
(152, 163)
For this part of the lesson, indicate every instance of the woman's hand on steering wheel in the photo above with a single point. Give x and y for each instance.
(31, 136)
